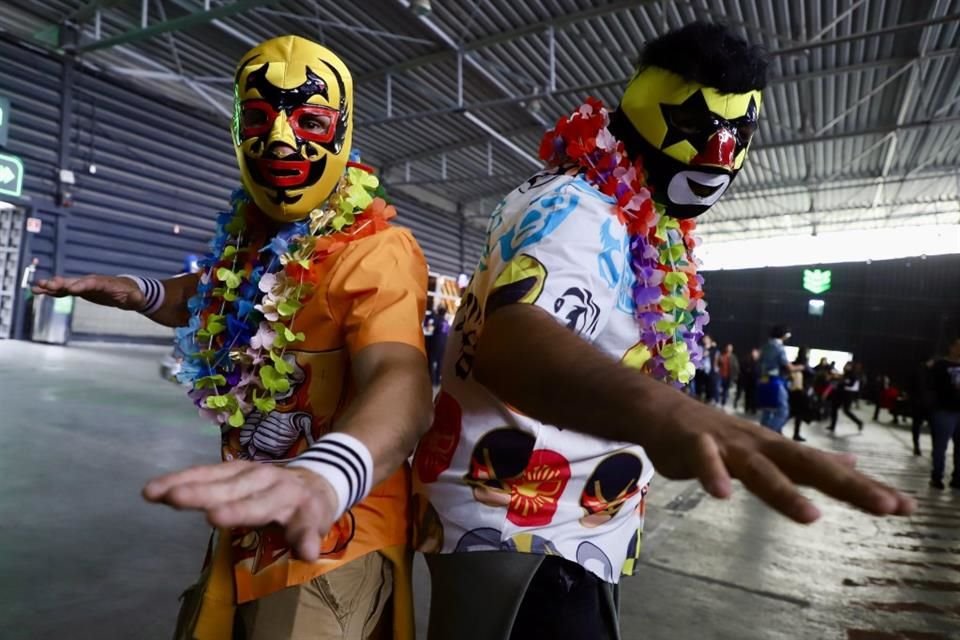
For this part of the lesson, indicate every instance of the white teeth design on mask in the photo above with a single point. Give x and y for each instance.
(712, 185)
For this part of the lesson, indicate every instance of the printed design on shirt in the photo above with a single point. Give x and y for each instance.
(468, 323)
(506, 471)
(542, 178)
(592, 558)
(496, 220)
(632, 559)
(521, 281)
(436, 448)
(613, 251)
(489, 539)
(427, 526)
(636, 356)
(541, 218)
(301, 416)
(302, 413)
(577, 309)
(258, 549)
(613, 482)
(271, 436)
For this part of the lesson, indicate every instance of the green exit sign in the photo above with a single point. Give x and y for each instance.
(4, 120)
(817, 281)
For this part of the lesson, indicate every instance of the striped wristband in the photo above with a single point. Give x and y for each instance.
(344, 462)
(153, 293)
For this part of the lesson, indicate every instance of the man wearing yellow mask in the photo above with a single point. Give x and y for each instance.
(556, 401)
(301, 340)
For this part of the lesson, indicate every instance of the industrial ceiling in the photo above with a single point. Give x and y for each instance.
(860, 126)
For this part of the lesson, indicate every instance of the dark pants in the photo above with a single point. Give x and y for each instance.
(496, 595)
(916, 426)
(843, 402)
(945, 426)
(725, 390)
(893, 412)
(747, 389)
(798, 409)
(713, 387)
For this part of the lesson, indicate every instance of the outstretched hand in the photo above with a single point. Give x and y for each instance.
(110, 291)
(535, 364)
(251, 494)
(715, 447)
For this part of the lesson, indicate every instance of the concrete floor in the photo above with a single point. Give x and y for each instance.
(81, 556)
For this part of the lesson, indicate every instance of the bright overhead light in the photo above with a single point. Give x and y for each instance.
(421, 7)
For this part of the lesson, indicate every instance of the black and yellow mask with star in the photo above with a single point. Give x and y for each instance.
(692, 138)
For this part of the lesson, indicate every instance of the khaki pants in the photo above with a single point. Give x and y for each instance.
(348, 603)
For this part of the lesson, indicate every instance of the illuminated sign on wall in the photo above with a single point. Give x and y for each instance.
(817, 281)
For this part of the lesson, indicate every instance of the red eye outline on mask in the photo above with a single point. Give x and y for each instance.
(257, 118)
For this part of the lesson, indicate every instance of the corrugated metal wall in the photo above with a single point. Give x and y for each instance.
(32, 82)
(150, 175)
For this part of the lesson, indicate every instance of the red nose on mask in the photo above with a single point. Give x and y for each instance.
(719, 152)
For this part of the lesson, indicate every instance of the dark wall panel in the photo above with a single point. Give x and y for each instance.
(891, 314)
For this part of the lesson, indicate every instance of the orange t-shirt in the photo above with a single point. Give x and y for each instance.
(371, 290)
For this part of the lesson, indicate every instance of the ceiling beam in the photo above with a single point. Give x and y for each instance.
(600, 9)
(857, 133)
(619, 82)
(193, 19)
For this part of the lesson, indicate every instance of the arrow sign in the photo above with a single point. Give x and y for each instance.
(11, 175)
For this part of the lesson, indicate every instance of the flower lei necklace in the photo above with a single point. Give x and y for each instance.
(255, 280)
(668, 292)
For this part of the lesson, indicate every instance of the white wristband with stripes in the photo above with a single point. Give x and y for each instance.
(153, 293)
(344, 462)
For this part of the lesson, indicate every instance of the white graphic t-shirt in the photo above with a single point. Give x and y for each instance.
(485, 476)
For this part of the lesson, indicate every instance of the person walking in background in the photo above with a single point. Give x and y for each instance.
(773, 367)
(801, 387)
(729, 369)
(945, 418)
(747, 383)
(844, 396)
(923, 401)
(703, 378)
(861, 376)
(711, 356)
(436, 341)
(886, 398)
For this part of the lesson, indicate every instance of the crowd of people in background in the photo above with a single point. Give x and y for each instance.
(778, 390)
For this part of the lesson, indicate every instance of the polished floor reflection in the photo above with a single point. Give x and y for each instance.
(82, 557)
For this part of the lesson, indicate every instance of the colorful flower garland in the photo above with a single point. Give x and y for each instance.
(255, 280)
(668, 292)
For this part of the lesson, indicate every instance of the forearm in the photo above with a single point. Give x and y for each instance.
(390, 412)
(530, 361)
(177, 291)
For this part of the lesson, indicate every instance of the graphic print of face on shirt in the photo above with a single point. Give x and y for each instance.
(615, 480)
(506, 471)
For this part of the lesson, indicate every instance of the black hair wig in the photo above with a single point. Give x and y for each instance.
(711, 55)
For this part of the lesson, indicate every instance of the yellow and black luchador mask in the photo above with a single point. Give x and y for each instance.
(693, 138)
(292, 125)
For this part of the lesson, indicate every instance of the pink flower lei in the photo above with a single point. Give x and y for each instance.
(668, 292)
